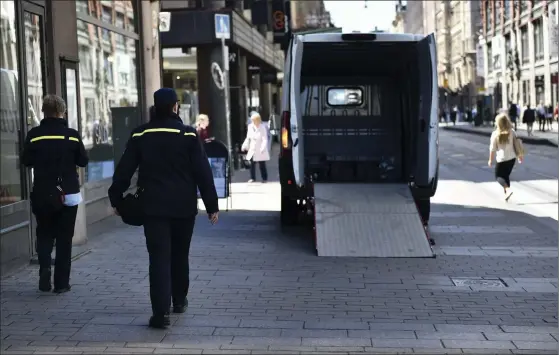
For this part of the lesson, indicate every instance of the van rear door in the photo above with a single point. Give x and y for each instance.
(427, 129)
(296, 119)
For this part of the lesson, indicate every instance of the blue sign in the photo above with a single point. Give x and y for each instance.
(222, 26)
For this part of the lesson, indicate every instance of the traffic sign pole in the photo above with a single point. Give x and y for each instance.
(225, 53)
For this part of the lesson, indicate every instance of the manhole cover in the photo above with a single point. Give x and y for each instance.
(478, 281)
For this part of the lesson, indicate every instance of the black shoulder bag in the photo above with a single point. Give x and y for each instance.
(131, 208)
(48, 198)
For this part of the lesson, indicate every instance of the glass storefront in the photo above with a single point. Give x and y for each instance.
(11, 190)
(107, 78)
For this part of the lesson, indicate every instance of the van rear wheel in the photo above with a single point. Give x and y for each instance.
(289, 211)
(424, 209)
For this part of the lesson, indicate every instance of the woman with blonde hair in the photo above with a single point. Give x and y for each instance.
(256, 146)
(504, 149)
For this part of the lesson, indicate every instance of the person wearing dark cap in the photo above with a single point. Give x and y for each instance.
(172, 165)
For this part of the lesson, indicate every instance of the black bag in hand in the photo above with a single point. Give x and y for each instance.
(47, 200)
(131, 208)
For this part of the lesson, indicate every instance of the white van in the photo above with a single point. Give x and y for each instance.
(359, 127)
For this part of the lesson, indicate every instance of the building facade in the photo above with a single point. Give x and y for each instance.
(308, 14)
(456, 29)
(413, 18)
(520, 51)
(98, 55)
(254, 61)
(398, 25)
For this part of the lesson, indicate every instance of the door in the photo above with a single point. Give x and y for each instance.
(296, 119)
(35, 79)
(427, 128)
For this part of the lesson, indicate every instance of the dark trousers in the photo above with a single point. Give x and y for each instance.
(59, 227)
(168, 244)
(503, 171)
(263, 170)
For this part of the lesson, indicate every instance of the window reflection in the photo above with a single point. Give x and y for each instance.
(34, 70)
(10, 184)
(117, 13)
(107, 81)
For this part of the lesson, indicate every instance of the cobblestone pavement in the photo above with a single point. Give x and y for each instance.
(257, 289)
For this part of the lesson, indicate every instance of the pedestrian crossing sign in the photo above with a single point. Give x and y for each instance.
(222, 26)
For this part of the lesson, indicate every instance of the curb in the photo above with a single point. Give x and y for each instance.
(530, 140)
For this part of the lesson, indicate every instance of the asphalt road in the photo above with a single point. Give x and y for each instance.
(257, 289)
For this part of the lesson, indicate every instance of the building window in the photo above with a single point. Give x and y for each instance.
(11, 176)
(524, 6)
(526, 92)
(497, 13)
(524, 45)
(508, 44)
(538, 39)
(489, 59)
(487, 10)
(102, 88)
(507, 4)
(117, 13)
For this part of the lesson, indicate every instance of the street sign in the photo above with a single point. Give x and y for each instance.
(222, 26)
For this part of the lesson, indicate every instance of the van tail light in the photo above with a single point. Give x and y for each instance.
(285, 118)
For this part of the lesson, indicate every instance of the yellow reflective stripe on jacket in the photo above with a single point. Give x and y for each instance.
(152, 130)
(40, 138)
(169, 130)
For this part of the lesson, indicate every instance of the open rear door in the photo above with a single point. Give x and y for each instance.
(297, 112)
(427, 129)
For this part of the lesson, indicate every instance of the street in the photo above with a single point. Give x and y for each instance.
(256, 288)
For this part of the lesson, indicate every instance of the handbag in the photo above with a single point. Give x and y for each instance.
(518, 146)
(48, 198)
(131, 208)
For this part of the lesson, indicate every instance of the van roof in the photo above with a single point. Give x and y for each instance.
(380, 37)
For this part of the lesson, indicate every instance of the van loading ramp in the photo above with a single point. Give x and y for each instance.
(368, 220)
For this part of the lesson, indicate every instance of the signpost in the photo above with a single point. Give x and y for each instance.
(223, 32)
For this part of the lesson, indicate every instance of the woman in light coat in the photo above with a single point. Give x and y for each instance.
(256, 146)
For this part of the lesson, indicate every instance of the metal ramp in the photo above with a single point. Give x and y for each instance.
(368, 220)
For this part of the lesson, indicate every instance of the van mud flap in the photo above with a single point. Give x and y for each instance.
(368, 220)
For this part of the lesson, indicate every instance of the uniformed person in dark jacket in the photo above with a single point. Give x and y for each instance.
(53, 151)
(172, 165)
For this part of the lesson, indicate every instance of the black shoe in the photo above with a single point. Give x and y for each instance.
(179, 308)
(62, 289)
(44, 280)
(159, 322)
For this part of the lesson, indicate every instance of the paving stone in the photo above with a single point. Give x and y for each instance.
(536, 345)
(407, 343)
(451, 335)
(520, 336)
(477, 344)
(336, 342)
(335, 325)
(525, 329)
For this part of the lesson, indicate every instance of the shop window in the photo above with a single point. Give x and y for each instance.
(11, 177)
(524, 45)
(538, 39)
(104, 94)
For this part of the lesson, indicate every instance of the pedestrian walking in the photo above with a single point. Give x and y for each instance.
(54, 150)
(504, 149)
(549, 116)
(529, 117)
(172, 165)
(256, 146)
(202, 128)
(513, 114)
(540, 113)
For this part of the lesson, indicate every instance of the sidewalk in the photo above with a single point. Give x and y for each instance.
(540, 138)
